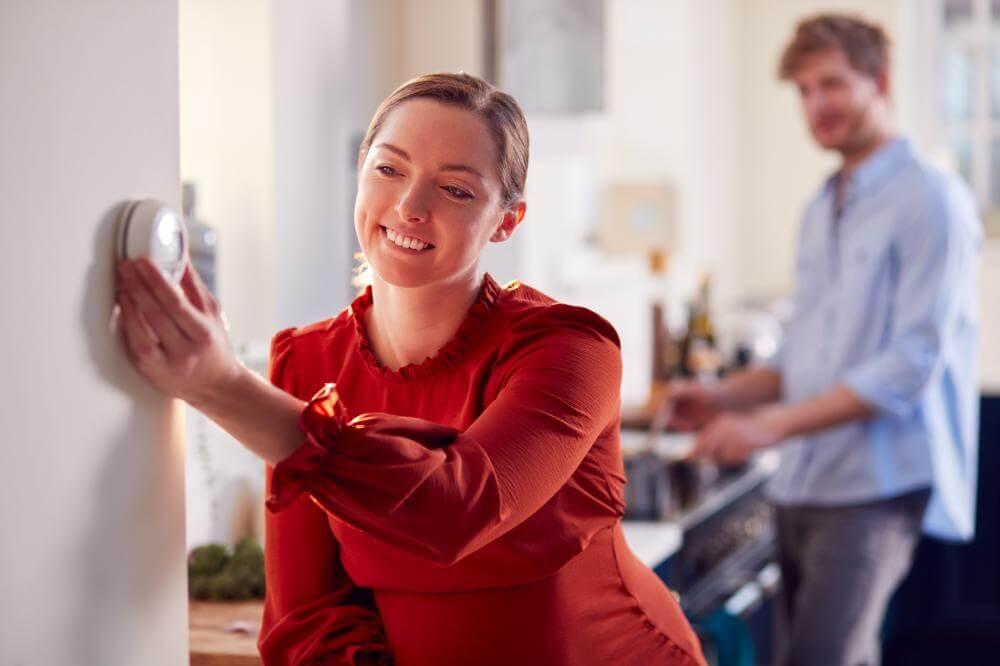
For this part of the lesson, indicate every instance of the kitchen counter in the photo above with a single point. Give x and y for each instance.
(224, 633)
(653, 542)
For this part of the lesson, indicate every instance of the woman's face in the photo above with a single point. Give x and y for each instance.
(429, 195)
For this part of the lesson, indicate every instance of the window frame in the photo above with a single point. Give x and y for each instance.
(980, 129)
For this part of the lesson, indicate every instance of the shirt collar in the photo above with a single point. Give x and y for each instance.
(876, 169)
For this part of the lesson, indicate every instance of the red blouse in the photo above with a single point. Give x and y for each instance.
(465, 510)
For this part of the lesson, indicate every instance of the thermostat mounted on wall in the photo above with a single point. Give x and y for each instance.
(152, 229)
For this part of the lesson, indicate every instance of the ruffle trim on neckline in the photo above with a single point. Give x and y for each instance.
(451, 353)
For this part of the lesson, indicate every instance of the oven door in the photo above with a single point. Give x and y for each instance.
(737, 629)
(728, 579)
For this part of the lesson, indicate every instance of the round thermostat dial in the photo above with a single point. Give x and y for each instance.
(150, 228)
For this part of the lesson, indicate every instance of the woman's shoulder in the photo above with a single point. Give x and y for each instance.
(317, 331)
(553, 341)
(531, 314)
(299, 344)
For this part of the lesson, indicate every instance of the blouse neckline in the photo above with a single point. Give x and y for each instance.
(449, 355)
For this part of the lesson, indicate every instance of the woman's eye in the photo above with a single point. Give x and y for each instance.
(457, 192)
(386, 170)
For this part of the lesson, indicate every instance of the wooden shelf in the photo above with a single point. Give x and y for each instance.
(212, 641)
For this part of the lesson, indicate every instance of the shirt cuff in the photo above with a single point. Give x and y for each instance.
(866, 384)
(321, 421)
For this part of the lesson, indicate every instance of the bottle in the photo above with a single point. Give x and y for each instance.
(202, 240)
(700, 357)
(647, 493)
(665, 356)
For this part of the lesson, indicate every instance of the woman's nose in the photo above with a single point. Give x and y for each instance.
(412, 206)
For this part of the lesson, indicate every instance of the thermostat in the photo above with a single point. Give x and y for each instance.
(152, 229)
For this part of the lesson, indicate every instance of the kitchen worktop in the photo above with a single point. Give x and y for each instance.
(224, 633)
(653, 542)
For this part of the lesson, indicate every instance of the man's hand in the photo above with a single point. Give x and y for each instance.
(694, 404)
(731, 438)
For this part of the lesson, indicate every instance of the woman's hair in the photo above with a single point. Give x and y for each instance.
(498, 109)
(865, 44)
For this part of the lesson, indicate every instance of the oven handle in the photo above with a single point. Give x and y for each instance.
(749, 597)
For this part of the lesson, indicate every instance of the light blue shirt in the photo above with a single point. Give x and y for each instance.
(885, 304)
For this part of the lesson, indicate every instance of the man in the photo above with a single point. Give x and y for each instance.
(873, 395)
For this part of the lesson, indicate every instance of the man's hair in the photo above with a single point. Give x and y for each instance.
(865, 44)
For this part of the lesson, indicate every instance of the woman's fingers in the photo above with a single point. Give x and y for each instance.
(178, 347)
(198, 291)
(140, 342)
(166, 330)
(191, 280)
(192, 285)
(169, 312)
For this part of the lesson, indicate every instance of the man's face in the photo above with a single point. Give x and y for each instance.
(840, 103)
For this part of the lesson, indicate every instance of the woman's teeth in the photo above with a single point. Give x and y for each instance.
(405, 241)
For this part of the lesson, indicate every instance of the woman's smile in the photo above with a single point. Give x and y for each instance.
(405, 242)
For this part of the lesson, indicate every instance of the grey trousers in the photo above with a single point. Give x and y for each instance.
(839, 567)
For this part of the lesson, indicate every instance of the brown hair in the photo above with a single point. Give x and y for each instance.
(498, 109)
(865, 44)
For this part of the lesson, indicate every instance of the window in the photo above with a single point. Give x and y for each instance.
(968, 105)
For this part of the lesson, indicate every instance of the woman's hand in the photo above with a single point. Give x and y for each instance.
(175, 336)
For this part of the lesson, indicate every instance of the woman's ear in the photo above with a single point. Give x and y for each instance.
(508, 223)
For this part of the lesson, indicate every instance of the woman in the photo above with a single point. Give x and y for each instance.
(447, 480)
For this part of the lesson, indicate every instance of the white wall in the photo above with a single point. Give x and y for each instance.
(393, 41)
(313, 219)
(92, 561)
(376, 70)
(441, 36)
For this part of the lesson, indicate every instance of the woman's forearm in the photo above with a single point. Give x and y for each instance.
(260, 416)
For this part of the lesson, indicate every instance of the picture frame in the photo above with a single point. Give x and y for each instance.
(548, 54)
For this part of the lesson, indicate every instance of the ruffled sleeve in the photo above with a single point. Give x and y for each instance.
(313, 611)
(440, 493)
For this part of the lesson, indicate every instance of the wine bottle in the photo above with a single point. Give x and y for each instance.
(700, 357)
(665, 356)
